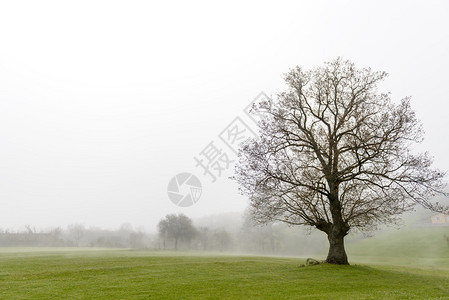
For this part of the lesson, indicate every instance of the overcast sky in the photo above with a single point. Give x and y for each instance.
(102, 103)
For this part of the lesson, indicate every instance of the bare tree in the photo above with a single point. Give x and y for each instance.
(177, 227)
(76, 232)
(204, 236)
(162, 227)
(335, 154)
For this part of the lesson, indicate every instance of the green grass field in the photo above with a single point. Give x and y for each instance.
(419, 247)
(125, 274)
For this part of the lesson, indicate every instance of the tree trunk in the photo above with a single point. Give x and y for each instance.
(337, 230)
(337, 254)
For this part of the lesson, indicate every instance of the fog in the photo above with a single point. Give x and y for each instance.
(102, 103)
(415, 241)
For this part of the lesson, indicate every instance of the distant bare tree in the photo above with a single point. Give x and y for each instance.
(56, 232)
(177, 227)
(162, 228)
(76, 232)
(335, 154)
(29, 229)
(136, 239)
(204, 237)
(258, 237)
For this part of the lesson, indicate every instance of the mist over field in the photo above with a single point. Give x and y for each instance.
(235, 150)
(415, 241)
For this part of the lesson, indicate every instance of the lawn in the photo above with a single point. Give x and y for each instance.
(420, 247)
(126, 274)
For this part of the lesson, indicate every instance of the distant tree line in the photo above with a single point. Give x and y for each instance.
(221, 233)
(177, 232)
(77, 235)
(231, 234)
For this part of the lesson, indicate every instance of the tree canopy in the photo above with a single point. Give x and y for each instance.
(176, 227)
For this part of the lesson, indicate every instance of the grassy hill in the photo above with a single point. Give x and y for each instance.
(421, 246)
(119, 274)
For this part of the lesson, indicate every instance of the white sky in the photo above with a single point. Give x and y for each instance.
(101, 103)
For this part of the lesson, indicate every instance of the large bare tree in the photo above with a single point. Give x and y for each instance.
(335, 154)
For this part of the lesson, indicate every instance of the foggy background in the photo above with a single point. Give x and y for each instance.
(102, 103)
